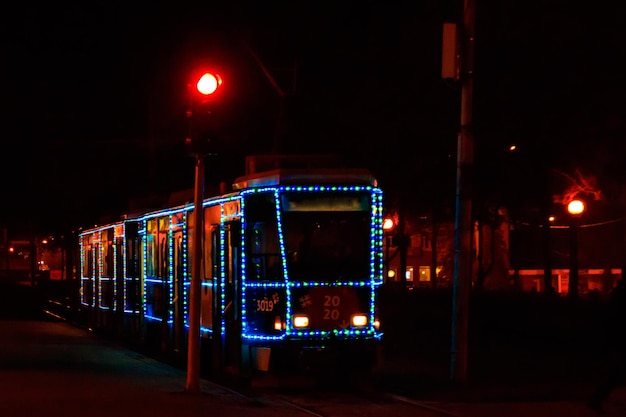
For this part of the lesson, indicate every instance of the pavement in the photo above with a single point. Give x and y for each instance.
(52, 368)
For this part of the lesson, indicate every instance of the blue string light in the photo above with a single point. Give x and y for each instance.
(251, 284)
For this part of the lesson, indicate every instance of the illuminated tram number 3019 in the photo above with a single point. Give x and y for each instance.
(266, 304)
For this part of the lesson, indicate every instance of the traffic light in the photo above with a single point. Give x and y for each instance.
(204, 90)
(208, 84)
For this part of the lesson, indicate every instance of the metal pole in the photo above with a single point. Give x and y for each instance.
(463, 213)
(33, 256)
(402, 246)
(572, 288)
(193, 343)
(6, 246)
(547, 256)
(387, 247)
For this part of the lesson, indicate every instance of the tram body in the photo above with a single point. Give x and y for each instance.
(291, 264)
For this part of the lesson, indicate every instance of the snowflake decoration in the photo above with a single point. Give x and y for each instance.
(305, 301)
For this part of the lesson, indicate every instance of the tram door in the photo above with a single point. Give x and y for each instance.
(178, 319)
(96, 317)
(88, 277)
(119, 285)
(133, 281)
(231, 339)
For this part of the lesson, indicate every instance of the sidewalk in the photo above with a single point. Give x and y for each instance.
(525, 409)
(51, 368)
(493, 398)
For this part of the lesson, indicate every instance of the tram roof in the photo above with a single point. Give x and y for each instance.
(289, 169)
(351, 176)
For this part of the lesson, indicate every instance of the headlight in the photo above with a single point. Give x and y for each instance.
(359, 320)
(300, 321)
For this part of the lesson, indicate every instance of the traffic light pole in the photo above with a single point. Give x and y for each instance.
(201, 94)
(193, 343)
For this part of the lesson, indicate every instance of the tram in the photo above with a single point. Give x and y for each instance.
(291, 265)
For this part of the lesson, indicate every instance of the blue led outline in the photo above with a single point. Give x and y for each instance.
(115, 271)
(144, 271)
(147, 280)
(97, 278)
(102, 278)
(186, 276)
(211, 202)
(94, 234)
(222, 275)
(92, 279)
(170, 270)
(370, 331)
(114, 282)
(82, 269)
(377, 266)
(281, 243)
(376, 257)
(141, 234)
(172, 239)
(374, 281)
(183, 208)
(252, 284)
(127, 279)
(244, 269)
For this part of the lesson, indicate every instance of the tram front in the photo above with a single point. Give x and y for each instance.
(322, 264)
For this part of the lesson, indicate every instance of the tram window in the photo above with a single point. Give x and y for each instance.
(324, 203)
(107, 265)
(213, 257)
(150, 257)
(263, 238)
(86, 257)
(132, 251)
(261, 207)
(163, 256)
(326, 238)
(107, 247)
(264, 260)
(88, 265)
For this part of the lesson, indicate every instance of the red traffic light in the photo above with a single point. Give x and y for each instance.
(208, 83)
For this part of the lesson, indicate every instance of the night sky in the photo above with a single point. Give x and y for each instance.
(94, 95)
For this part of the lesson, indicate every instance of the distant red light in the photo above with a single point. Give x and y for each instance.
(388, 224)
(575, 207)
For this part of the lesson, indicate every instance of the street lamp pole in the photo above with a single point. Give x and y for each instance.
(575, 209)
(463, 214)
(572, 288)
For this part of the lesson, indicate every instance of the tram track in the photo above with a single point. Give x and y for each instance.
(336, 396)
(333, 396)
(346, 405)
(348, 401)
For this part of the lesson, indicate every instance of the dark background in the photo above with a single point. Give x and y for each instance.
(94, 97)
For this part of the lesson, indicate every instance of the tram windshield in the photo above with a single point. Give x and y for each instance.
(327, 237)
